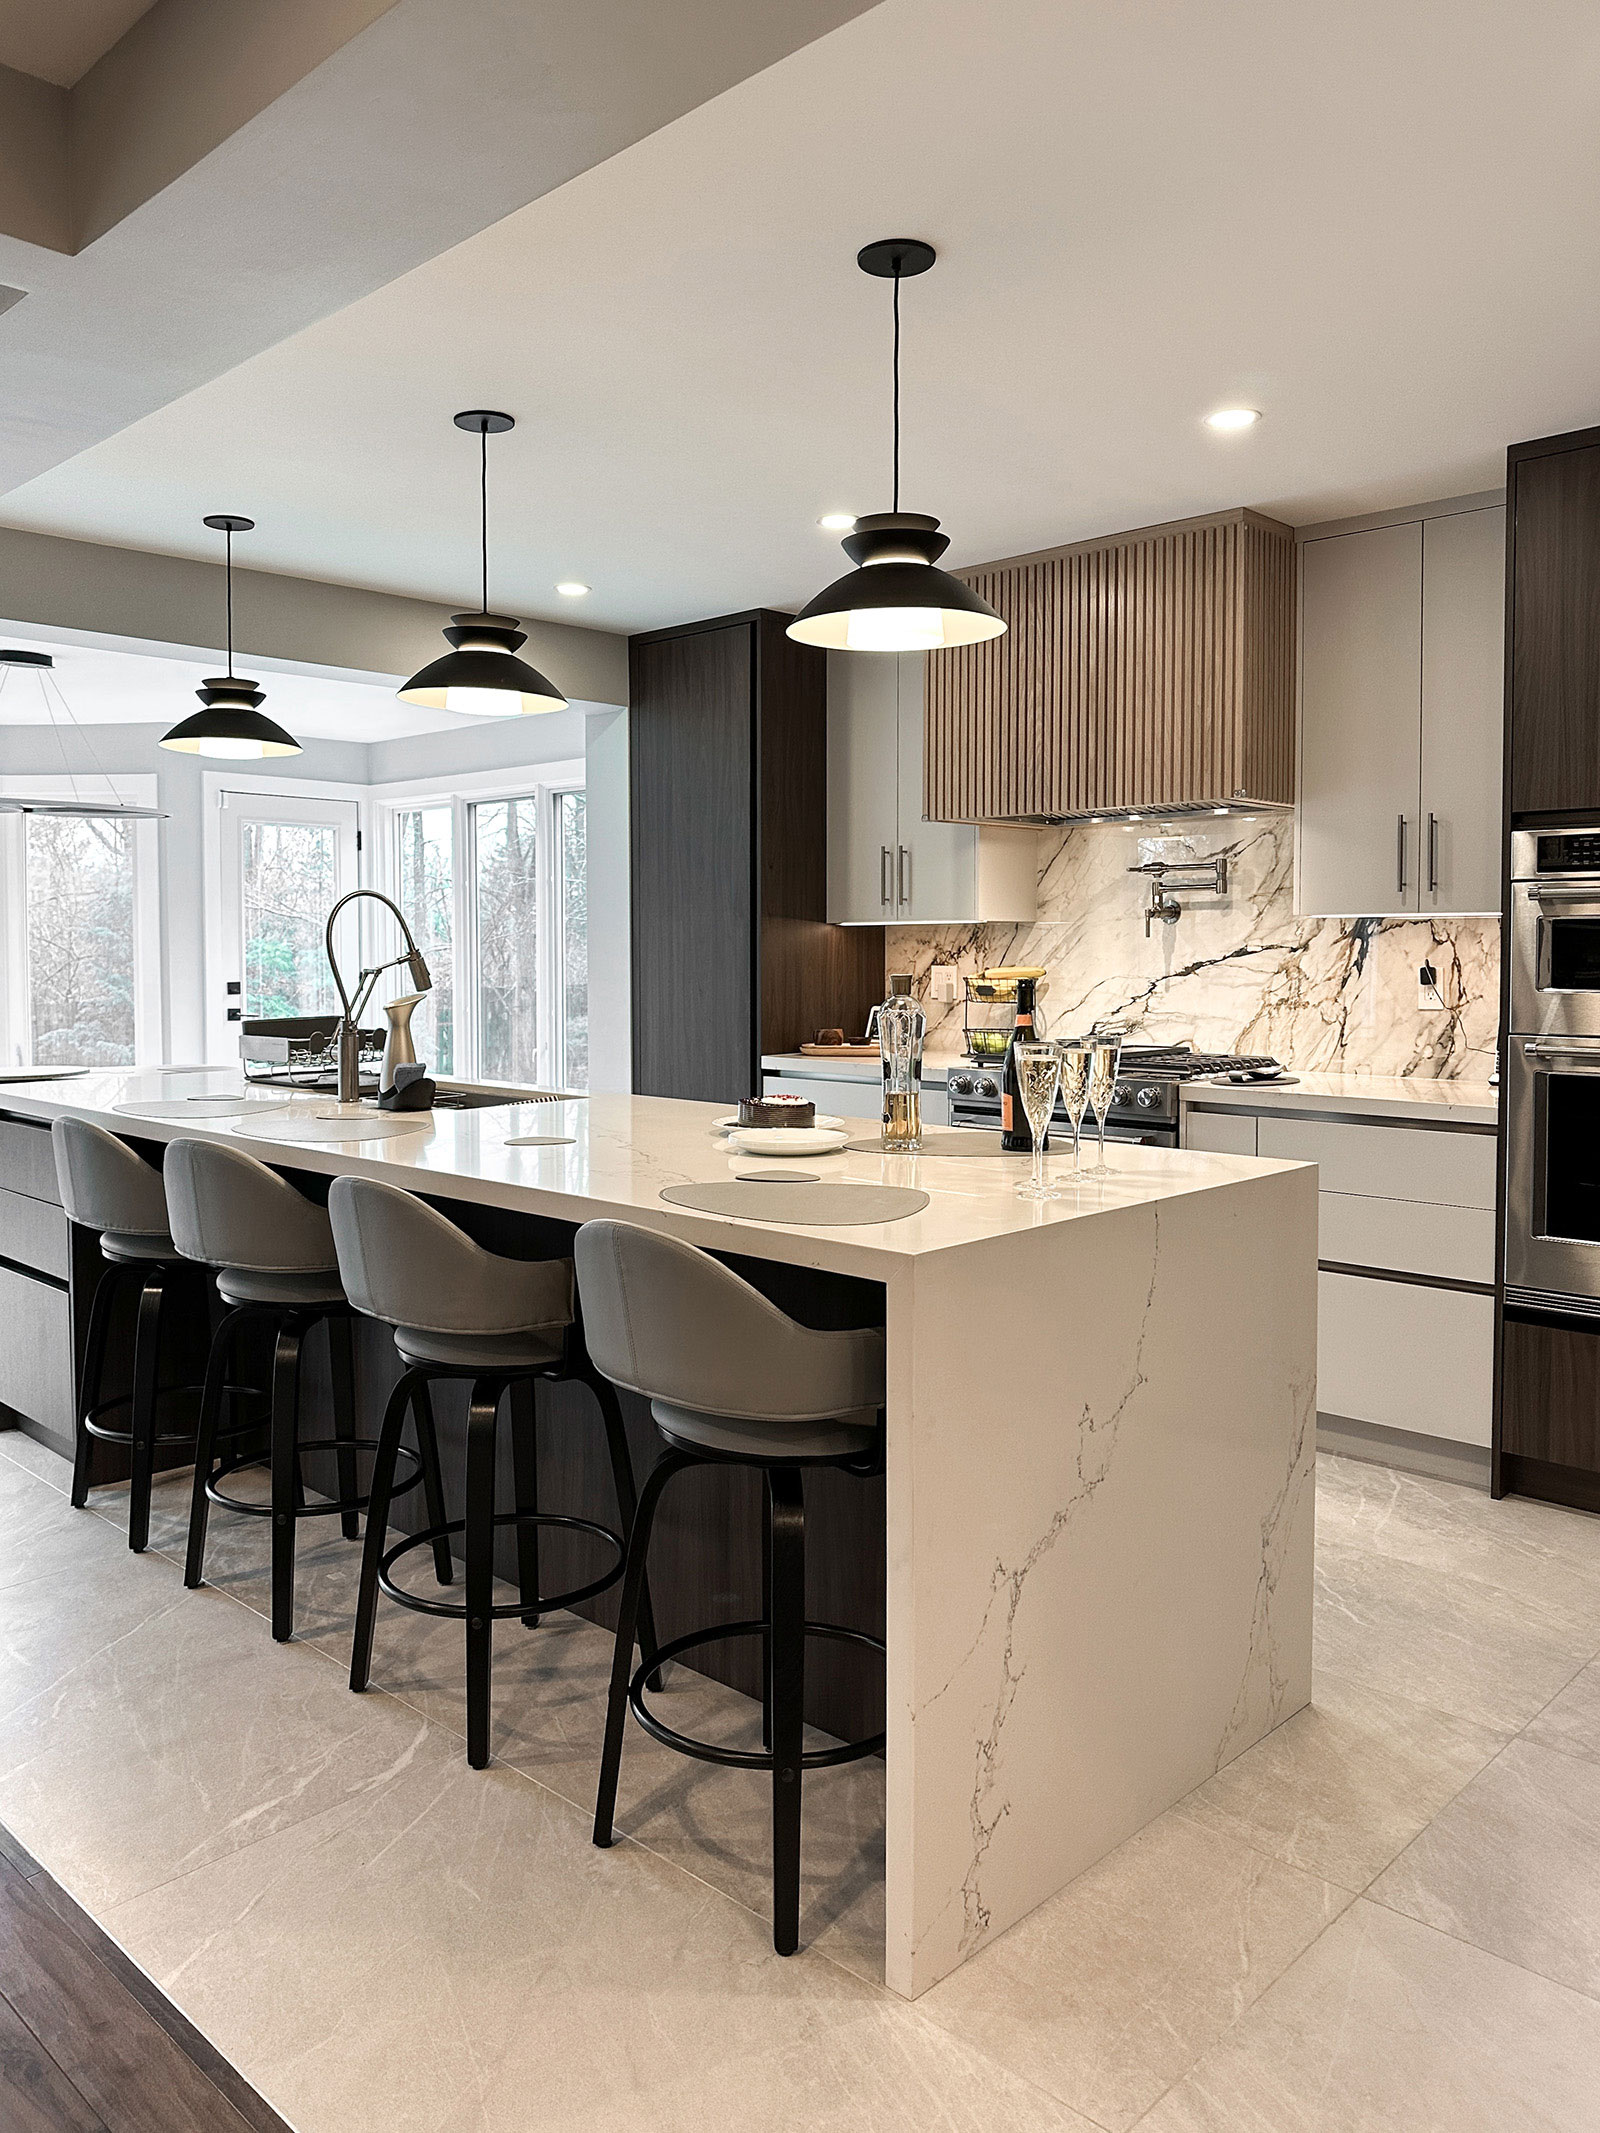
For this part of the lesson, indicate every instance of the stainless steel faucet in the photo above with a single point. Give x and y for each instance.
(349, 1030)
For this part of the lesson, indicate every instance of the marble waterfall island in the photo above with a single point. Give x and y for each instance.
(1099, 1455)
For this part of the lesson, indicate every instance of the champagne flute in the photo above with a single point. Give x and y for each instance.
(1075, 1060)
(1038, 1077)
(1103, 1062)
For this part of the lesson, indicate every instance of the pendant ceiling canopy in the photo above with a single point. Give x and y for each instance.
(481, 674)
(232, 726)
(896, 599)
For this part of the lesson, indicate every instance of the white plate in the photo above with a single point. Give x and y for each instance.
(788, 1140)
(823, 1123)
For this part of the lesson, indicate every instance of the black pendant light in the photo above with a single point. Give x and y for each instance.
(231, 725)
(896, 600)
(482, 675)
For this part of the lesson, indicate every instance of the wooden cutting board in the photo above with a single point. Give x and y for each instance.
(840, 1051)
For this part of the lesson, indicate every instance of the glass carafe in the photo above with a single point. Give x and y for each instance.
(901, 1028)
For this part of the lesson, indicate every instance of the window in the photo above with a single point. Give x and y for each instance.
(494, 886)
(288, 885)
(79, 938)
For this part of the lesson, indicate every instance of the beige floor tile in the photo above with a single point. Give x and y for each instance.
(188, 1737)
(1430, 1637)
(17, 1448)
(1109, 1992)
(1343, 1786)
(55, 1623)
(1513, 1865)
(451, 1952)
(41, 1534)
(1385, 2026)
(1571, 1721)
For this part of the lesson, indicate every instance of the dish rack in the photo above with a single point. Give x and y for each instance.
(988, 1014)
(300, 1051)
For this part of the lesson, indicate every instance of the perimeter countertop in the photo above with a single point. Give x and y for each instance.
(615, 1154)
(1458, 1103)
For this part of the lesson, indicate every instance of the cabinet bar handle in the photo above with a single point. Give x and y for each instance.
(1433, 853)
(885, 863)
(905, 874)
(1400, 855)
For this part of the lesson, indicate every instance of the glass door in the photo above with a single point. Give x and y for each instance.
(284, 861)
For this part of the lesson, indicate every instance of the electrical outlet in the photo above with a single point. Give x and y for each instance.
(1430, 999)
(942, 982)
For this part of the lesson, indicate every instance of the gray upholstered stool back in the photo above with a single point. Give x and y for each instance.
(105, 1186)
(667, 1320)
(228, 1210)
(404, 1262)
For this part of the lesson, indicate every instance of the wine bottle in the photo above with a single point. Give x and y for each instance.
(1015, 1137)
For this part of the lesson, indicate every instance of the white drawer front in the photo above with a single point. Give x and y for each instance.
(1220, 1132)
(1409, 1236)
(1406, 1357)
(1387, 1162)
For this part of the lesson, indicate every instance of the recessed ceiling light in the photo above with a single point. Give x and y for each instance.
(837, 521)
(1234, 418)
(570, 589)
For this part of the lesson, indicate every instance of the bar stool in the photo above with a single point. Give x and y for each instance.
(731, 1380)
(460, 1312)
(106, 1186)
(275, 1264)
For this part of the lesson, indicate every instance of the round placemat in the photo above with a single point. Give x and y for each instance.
(202, 1107)
(957, 1140)
(540, 1140)
(829, 1206)
(344, 1125)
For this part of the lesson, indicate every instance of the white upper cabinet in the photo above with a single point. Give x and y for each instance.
(1401, 633)
(886, 865)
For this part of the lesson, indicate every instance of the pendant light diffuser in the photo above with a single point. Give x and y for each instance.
(481, 675)
(231, 728)
(896, 599)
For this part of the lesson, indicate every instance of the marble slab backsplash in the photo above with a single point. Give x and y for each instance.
(1240, 974)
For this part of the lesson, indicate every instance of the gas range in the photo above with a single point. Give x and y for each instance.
(1144, 1108)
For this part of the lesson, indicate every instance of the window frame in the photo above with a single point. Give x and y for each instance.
(541, 783)
(16, 1030)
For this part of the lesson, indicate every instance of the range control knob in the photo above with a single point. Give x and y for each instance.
(1123, 1094)
(961, 1084)
(1147, 1099)
(988, 1086)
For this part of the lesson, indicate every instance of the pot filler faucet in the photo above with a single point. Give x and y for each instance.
(349, 1032)
(1208, 877)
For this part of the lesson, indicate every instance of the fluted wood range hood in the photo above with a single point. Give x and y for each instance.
(1151, 671)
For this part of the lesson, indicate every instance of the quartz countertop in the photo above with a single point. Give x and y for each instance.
(1458, 1103)
(621, 1152)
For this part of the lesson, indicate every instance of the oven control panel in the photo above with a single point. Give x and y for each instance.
(1568, 852)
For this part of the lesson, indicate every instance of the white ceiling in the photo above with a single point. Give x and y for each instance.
(124, 687)
(1373, 219)
(60, 40)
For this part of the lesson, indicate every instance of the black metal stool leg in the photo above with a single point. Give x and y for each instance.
(394, 1418)
(432, 1478)
(142, 1412)
(342, 1366)
(627, 1501)
(525, 1471)
(605, 1806)
(205, 1445)
(788, 1637)
(766, 1615)
(481, 1422)
(285, 1473)
(94, 1366)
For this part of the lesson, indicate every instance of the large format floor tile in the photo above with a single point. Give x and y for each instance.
(1109, 1992)
(1345, 1785)
(1513, 1865)
(1385, 2026)
(1571, 1721)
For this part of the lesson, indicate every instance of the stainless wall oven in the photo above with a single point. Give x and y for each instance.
(1555, 932)
(1553, 1172)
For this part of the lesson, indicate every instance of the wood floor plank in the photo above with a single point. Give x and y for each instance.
(17, 1855)
(35, 2096)
(124, 2064)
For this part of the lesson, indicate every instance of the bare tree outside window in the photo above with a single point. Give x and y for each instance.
(426, 896)
(290, 882)
(573, 1065)
(80, 940)
(508, 946)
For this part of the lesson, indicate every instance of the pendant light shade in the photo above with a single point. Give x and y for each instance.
(481, 675)
(896, 599)
(231, 727)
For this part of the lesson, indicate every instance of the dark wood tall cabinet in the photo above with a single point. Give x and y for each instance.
(732, 955)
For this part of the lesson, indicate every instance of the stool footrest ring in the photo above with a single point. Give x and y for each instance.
(501, 1610)
(849, 1751)
(334, 1506)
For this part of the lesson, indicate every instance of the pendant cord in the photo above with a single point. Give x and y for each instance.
(228, 535)
(896, 388)
(483, 510)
